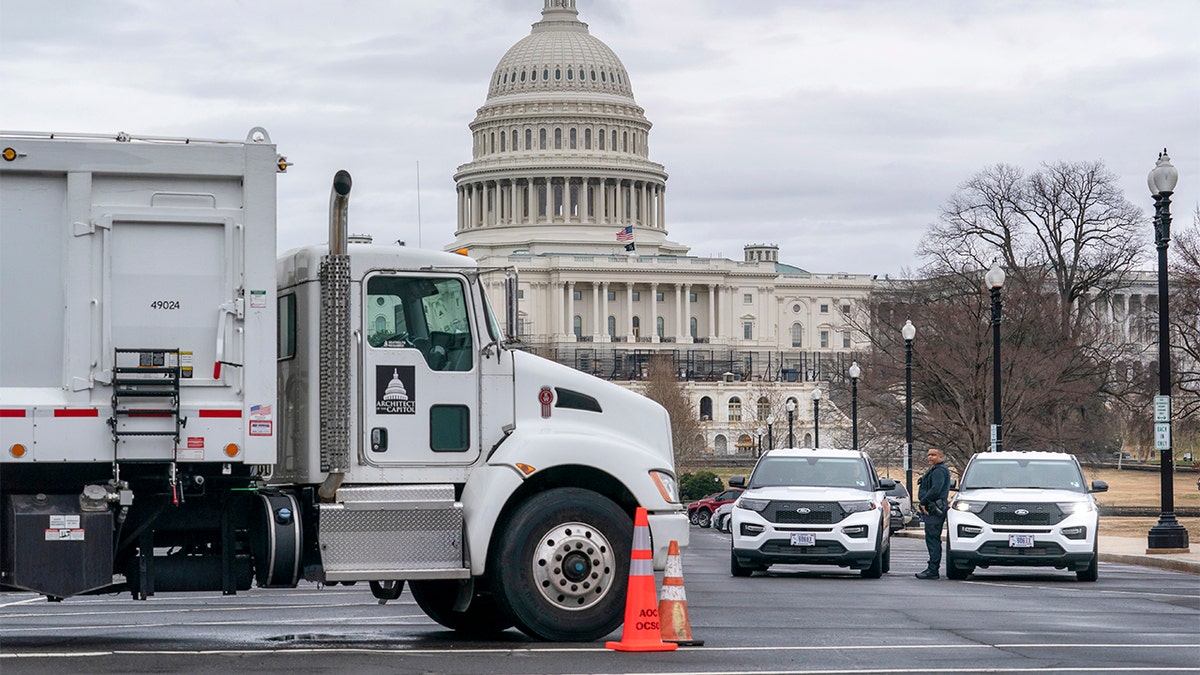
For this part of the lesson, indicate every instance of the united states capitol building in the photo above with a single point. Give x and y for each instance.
(561, 186)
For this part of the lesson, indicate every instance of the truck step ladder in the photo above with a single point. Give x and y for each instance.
(145, 384)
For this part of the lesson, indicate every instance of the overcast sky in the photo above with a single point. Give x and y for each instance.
(833, 129)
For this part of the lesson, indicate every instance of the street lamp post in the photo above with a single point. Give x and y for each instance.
(1167, 536)
(995, 281)
(816, 396)
(854, 372)
(759, 446)
(908, 332)
(770, 432)
(791, 408)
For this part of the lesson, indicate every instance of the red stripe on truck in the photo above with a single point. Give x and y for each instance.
(76, 412)
(12, 413)
(220, 413)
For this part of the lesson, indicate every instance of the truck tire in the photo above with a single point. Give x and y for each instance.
(482, 617)
(703, 517)
(560, 565)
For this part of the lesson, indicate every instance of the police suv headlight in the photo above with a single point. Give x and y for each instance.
(857, 506)
(1076, 507)
(667, 486)
(969, 507)
(757, 505)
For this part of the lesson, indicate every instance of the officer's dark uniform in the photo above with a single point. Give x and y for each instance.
(933, 491)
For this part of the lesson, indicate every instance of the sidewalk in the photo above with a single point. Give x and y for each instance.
(1124, 550)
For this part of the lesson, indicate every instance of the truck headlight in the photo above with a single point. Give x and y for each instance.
(752, 504)
(969, 507)
(666, 485)
(1075, 507)
(857, 506)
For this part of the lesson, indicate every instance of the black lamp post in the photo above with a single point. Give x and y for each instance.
(1168, 535)
(770, 432)
(995, 281)
(816, 396)
(909, 332)
(854, 372)
(791, 408)
(758, 448)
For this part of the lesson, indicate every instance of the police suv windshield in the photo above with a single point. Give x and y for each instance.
(849, 472)
(1023, 473)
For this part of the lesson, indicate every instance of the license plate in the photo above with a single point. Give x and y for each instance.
(1020, 541)
(805, 539)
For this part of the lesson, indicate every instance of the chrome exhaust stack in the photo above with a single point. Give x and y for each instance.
(334, 360)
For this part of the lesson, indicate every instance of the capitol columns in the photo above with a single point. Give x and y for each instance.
(685, 330)
(678, 312)
(629, 336)
(602, 329)
(654, 312)
(569, 324)
(712, 311)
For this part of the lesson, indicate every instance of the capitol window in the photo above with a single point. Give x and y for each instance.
(542, 137)
(603, 77)
(558, 138)
(528, 139)
(570, 74)
(572, 139)
(600, 138)
(557, 74)
(581, 74)
(522, 76)
(593, 76)
(546, 74)
(587, 139)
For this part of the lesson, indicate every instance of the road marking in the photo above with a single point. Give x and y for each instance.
(21, 602)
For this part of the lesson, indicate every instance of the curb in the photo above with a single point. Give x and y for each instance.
(1165, 562)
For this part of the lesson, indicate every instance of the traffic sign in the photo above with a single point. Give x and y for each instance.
(1162, 435)
(1162, 408)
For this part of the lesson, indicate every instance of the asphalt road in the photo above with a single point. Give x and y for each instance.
(792, 620)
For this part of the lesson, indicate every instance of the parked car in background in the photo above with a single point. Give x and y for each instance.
(902, 508)
(1026, 509)
(700, 511)
(813, 507)
(720, 517)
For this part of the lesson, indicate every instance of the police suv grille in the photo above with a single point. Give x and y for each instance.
(778, 546)
(1000, 548)
(803, 513)
(1015, 513)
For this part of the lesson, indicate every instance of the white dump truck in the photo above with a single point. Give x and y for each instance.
(181, 411)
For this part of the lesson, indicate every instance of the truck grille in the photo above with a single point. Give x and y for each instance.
(778, 546)
(804, 513)
(1013, 513)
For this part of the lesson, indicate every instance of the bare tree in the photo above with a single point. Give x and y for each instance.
(1068, 222)
(663, 388)
(1185, 318)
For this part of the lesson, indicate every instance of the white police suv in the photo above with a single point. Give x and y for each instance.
(823, 507)
(1023, 508)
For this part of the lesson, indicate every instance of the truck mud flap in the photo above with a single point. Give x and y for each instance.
(392, 532)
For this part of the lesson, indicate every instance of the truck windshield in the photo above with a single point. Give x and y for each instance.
(1053, 474)
(811, 472)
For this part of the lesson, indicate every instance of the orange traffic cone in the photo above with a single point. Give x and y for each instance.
(641, 632)
(672, 607)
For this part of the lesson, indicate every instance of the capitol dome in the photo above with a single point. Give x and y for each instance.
(560, 56)
(560, 153)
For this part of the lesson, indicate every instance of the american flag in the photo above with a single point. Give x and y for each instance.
(260, 410)
(625, 234)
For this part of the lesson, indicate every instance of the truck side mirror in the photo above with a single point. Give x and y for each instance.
(737, 481)
(1099, 486)
(885, 484)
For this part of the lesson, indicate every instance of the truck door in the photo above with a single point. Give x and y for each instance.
(421, 371)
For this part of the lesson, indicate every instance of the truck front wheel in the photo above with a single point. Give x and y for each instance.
(561, 565)
(482, 618)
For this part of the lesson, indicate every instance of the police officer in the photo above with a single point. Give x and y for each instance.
(933, 490)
